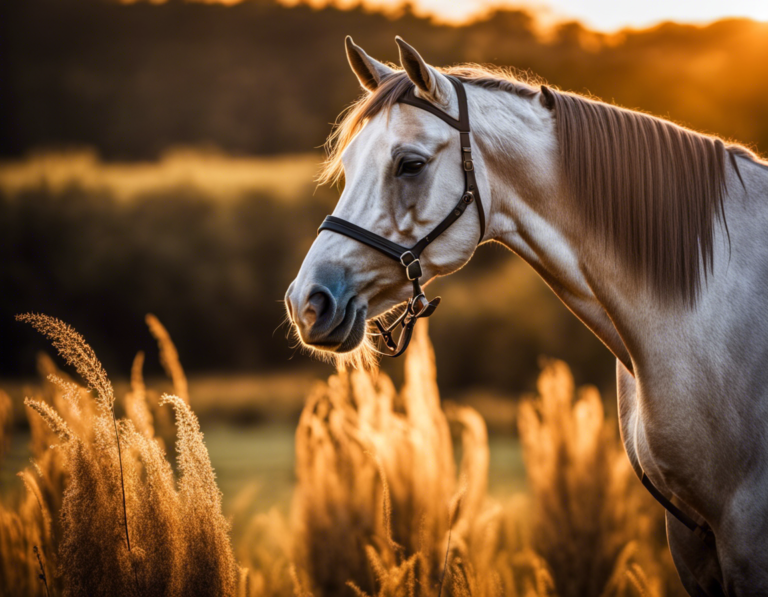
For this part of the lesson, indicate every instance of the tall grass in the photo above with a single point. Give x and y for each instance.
(390, 497)
(124, 524)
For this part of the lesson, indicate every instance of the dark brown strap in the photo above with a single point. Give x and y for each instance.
(373, 240)
(461, 125)
(455, 214)
(470, 182)
(409, 97)
(702, 531)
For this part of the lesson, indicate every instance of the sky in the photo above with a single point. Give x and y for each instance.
(602, 15)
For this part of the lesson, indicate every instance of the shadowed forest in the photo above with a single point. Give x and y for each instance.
(260, 78)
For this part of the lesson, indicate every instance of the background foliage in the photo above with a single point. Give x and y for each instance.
(258, 77)
(131, 82)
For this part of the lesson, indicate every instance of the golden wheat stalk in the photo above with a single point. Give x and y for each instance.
(453, 517)
(169, 357)
(78, 353)
(52, 418)
(70, 391)
(387, 504)
(34, 489)
(136, 400)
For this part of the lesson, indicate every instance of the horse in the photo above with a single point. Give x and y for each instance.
(652, 234)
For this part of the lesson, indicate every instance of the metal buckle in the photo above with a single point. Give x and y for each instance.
(403, 257)
(420, 300)
(468, 166)
(416, 273)
(412, 266)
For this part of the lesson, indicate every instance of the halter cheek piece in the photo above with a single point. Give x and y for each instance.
(418, 306)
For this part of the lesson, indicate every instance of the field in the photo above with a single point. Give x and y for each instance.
(390, 495)
(210, 173)
(160, 157)
(259, 460)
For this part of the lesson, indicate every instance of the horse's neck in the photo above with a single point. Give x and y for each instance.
(531, 214)
(528, 209)
(729, 317)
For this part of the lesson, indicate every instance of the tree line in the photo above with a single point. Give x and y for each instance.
(262, 78)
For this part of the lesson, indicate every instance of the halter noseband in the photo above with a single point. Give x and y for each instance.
(418, 306)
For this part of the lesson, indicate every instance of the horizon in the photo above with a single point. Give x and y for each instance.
(596, 15)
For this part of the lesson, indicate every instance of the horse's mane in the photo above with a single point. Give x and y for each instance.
(650, 189)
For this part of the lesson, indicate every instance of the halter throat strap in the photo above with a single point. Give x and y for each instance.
(418, 306)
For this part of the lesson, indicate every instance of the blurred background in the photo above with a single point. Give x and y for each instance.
(158, 157)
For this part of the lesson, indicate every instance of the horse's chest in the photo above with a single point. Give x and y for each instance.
(656, 440)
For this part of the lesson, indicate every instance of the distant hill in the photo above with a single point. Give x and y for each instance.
(259, 78)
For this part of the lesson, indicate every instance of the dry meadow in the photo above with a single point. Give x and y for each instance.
(390, 496)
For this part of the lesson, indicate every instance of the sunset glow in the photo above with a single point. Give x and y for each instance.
(600, 15)
(603, 15)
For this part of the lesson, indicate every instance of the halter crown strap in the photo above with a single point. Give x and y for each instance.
(461, 125)
(409, 97)
(418, 306)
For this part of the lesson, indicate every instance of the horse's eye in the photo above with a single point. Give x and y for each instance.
(411, 167)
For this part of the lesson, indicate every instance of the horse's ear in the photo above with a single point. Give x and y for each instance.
(429, 82)
(369, 72)
(547, 98)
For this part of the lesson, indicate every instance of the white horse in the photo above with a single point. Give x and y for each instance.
(655, 236)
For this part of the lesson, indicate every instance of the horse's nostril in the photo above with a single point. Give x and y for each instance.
(319, 308)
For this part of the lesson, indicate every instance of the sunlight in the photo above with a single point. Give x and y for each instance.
(601, 15)
(611, 16)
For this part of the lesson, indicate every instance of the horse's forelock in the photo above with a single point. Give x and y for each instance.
(391, 89)
(353, 118)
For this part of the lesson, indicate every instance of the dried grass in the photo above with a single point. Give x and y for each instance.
(381, 506)
(590, 515)
(169, 357)
(179, 540)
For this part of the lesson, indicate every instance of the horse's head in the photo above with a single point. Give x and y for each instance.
(403, 174)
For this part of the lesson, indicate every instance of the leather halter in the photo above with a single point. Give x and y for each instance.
(418, 306)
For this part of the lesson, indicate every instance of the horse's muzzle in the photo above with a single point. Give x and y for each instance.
(326, 320)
